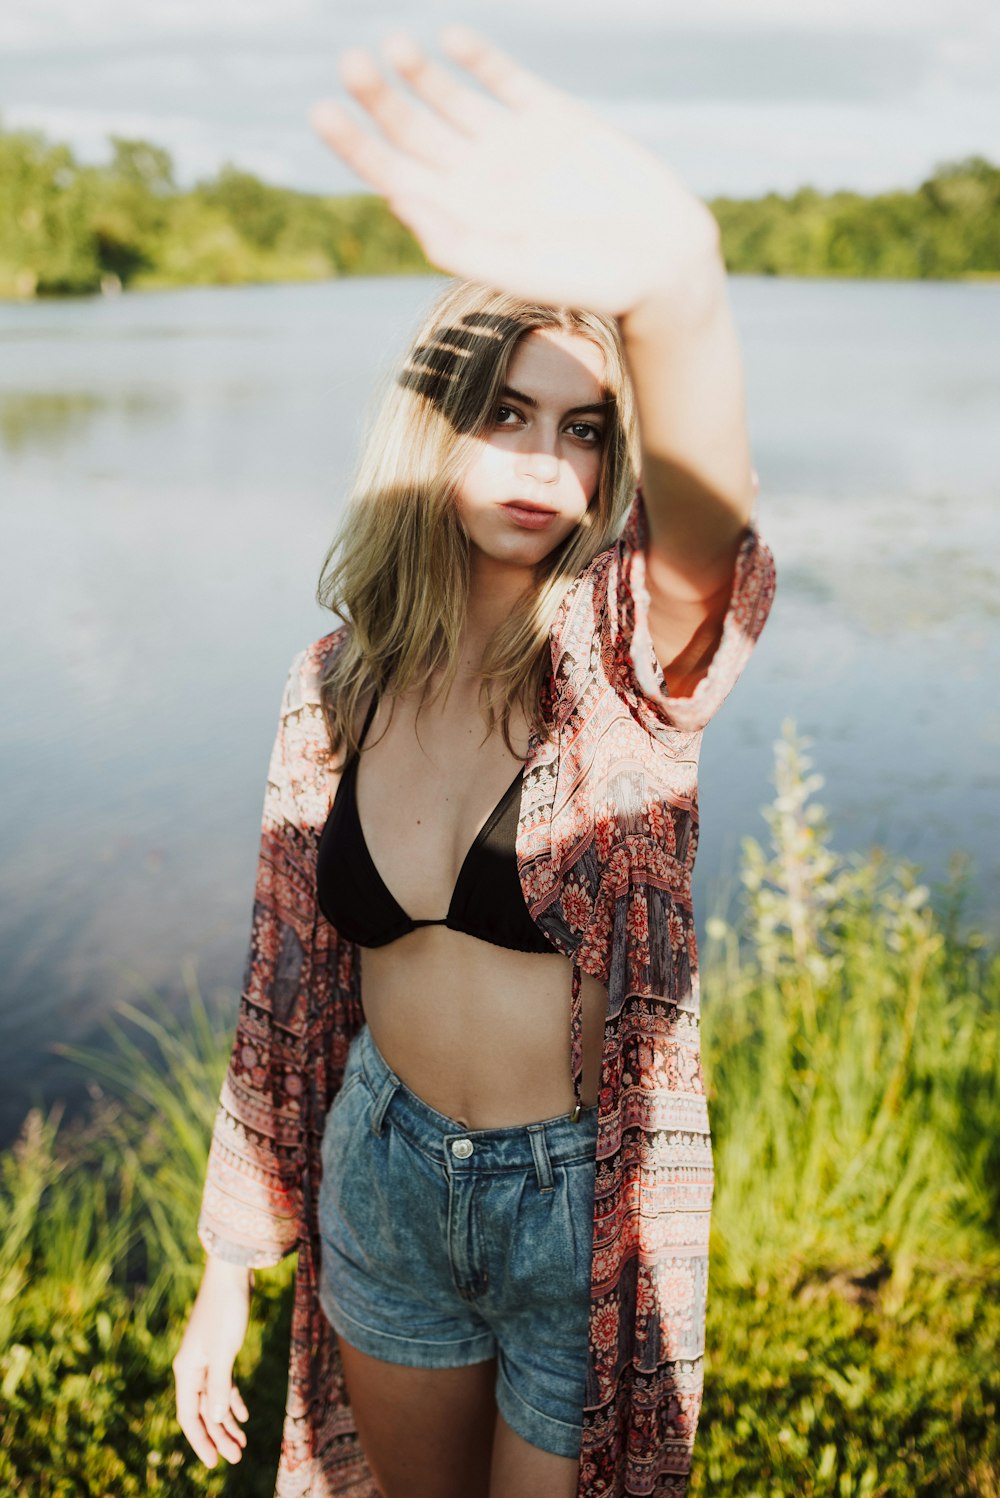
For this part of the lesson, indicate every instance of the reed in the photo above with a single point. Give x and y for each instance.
(851, 1050)
(851, 1045)
(166, 1076)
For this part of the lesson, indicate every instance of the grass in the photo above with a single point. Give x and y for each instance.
(851, 1044)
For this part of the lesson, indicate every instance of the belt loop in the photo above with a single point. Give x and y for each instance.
(543, 1165)
(382, 1102)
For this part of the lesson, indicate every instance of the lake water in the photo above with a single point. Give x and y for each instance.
(171, 471)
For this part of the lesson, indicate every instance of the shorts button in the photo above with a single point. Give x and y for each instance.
(462, 1148)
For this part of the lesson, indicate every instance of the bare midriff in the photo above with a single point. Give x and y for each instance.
(479, 1032)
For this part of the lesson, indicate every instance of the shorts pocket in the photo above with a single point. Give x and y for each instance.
(581, 1177)
(547, 1253)
(352, 1195)
(344, 1108)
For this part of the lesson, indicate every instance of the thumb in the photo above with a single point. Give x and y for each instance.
(438, 232)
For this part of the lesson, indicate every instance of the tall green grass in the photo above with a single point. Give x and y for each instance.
(851, 1044)
(853, 1054)
(99, 1263)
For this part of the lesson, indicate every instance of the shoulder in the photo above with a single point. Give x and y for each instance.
(308, 669)
(303, 748)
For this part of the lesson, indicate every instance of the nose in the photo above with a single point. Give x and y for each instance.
(540, 466)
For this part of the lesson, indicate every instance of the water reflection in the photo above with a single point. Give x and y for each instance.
(53, 420)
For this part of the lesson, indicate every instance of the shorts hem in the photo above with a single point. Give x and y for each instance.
(409, 1351)
(545, 1431)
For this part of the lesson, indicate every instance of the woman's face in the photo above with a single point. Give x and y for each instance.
(535, 470)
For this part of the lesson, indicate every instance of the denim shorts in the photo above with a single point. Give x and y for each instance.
(443, 1246)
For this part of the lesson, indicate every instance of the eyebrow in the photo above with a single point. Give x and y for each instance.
(526, 400)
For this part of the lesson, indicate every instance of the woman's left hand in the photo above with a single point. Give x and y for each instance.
(522, 188)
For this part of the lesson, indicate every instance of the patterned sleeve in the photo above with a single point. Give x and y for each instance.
(635, 668)
(251, 1205)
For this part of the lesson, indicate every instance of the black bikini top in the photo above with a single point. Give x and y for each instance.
(487, 900)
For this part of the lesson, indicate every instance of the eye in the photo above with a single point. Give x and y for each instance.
(596, 433)
(510, 412)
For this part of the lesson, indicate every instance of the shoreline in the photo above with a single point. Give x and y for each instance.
(113, 286)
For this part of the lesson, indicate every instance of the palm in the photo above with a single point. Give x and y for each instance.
(522, 188)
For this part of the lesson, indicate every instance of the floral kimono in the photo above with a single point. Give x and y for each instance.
(606, 844)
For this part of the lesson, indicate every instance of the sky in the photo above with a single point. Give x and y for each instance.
(742, 97)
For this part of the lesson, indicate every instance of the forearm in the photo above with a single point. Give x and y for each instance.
(686, 367)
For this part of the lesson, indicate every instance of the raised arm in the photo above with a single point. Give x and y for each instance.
(520, 186)
(697, 479)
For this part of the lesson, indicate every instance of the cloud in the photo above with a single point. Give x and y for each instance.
(44, 23)
(725, 150)
(741, 95)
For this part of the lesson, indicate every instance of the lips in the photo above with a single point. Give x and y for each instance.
(526, 513)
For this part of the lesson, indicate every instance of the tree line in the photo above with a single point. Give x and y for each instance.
(71, 228)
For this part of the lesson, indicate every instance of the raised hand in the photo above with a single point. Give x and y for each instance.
(521, 187)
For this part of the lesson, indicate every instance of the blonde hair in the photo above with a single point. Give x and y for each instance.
(398, 569)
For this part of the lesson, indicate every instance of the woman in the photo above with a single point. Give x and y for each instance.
(485, 781)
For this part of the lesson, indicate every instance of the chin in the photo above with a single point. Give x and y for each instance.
(515, 556)
(524, 549)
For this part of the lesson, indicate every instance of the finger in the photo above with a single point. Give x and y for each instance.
(229, 1416)
(220, 1424)
(503, 76)
(190, 1422)
(217, 1402)
(232, 1428)
(378, 164)
(414, 131)
(464, 108)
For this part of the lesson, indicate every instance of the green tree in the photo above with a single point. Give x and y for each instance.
(46, 245)
(258, 211)
(69, 228)
(131, 204)
(143, 164)
(961, 204)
